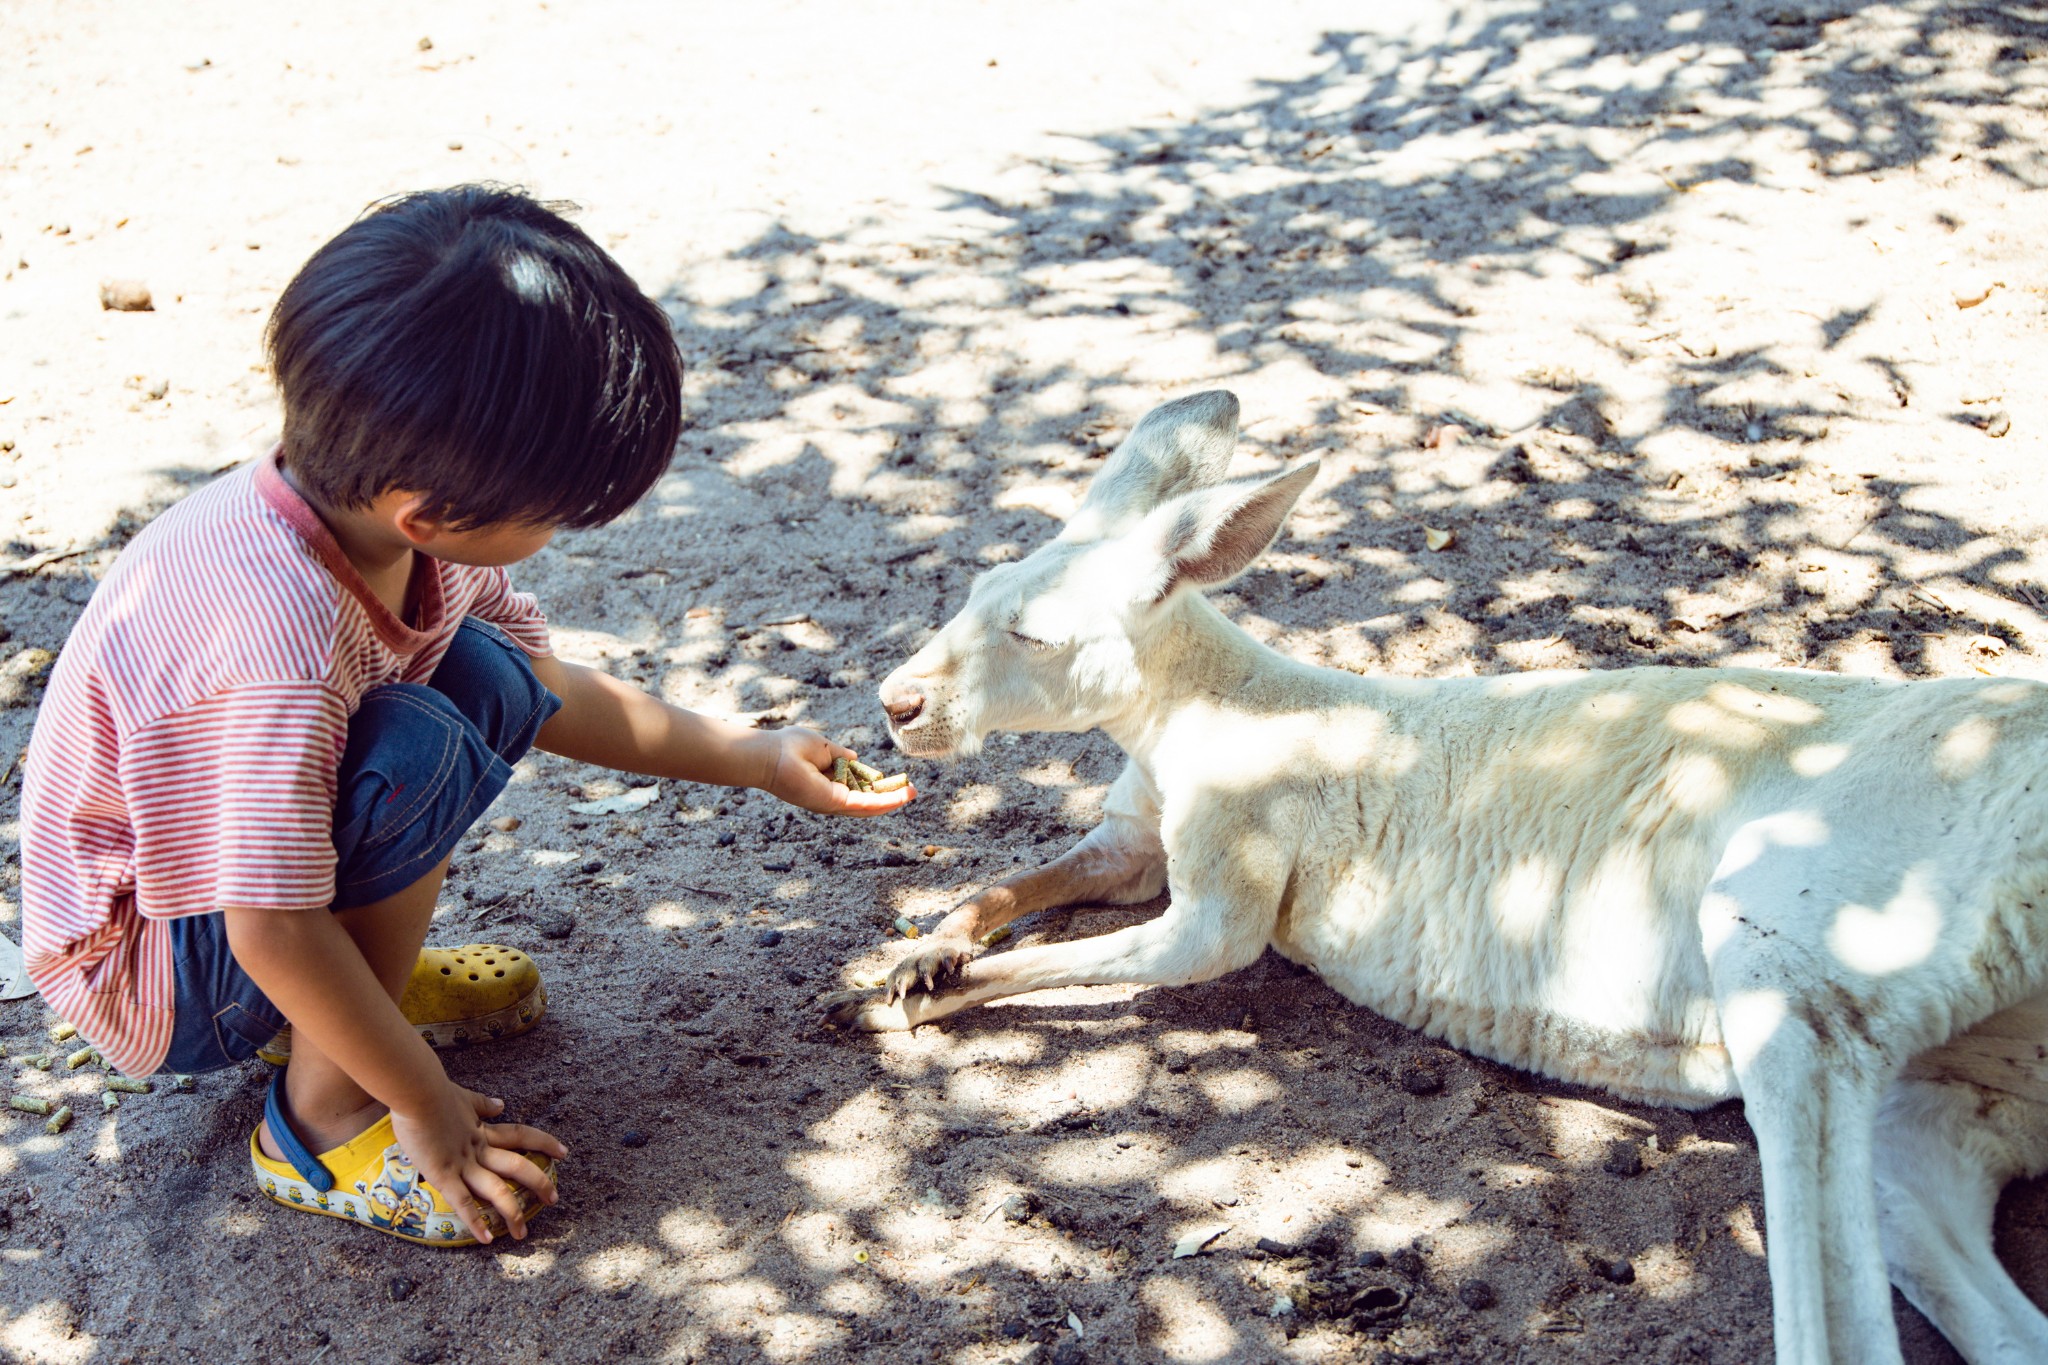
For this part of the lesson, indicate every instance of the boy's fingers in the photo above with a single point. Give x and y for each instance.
(516, 1166)
(523, 1138)
(489, 1186)
(873, 803)
(467, 1209)
(518, 1137)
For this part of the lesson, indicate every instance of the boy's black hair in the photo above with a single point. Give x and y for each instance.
(473, 345)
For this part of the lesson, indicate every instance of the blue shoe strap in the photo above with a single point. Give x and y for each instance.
(304, 1162)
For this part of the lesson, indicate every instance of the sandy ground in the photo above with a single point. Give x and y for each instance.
(1691, 282)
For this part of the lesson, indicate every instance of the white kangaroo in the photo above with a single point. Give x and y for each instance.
(1825, 895)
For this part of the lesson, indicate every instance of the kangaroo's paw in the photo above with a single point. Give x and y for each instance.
(928, 968)
(865, 1011)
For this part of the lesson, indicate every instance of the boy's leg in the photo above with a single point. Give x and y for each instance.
(421, 765)
(327, 1107)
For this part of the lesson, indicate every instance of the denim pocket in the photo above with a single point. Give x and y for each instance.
(238, 1030)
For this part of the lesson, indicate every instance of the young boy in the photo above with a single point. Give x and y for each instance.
(298, 688)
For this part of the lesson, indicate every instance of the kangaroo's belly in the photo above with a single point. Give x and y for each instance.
(1598, 985)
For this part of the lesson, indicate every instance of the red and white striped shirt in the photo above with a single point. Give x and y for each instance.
(185, 754)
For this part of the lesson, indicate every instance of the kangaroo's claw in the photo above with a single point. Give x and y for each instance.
(927, 968)
(863, 1011)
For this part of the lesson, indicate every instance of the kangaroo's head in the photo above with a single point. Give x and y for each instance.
(1053, 641)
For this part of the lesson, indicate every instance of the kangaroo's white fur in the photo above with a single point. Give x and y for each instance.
(1826, 895)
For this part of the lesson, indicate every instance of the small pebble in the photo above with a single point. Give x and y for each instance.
(632, 1137)
(1277, 1248)
(125, 296)
(1617, 1270)
(769, 938)
(776, 866)
(400, 1288)
(1971, 288)
(1282, 1306)
(726, 838)
(505, 824)
(1623, 1158)
(1371, 1260)
(1408, 1261)
(591, 866)
(1421, 1078)
(1017, 1208)
(561, 927)
(1997, 423)
(1477, 1295)
(1015, 1329)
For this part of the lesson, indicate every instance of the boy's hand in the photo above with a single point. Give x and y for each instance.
(800, 761)
(472, 1162)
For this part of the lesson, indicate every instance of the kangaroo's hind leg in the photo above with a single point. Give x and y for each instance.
(1812, 1078)
(1966, 1118)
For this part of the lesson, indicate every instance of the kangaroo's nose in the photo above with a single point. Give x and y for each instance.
(904, 704)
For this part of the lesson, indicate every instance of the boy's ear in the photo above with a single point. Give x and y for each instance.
(1212, 535)
(407, 512)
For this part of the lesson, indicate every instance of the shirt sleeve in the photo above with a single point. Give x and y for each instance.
(518, 614)
(232, 800)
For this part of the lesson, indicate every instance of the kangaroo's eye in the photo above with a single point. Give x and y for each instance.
(1031, 642)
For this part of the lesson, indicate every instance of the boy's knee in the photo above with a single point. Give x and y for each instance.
(492, 684)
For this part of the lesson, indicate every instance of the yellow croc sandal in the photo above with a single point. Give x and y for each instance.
(458, 996)
(368, 1180)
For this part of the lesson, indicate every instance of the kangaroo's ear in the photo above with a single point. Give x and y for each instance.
(1212, 535)
(1177, 448)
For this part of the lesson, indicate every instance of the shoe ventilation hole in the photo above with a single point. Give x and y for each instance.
(472, 976)
(447, 971)
(499, 972)
(511, 957)
(491, 962)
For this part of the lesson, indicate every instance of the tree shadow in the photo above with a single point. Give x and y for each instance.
(876, 415)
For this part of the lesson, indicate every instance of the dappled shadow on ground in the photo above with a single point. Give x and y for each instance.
(877, 415)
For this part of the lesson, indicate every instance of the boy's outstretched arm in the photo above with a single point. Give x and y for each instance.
(616, 725)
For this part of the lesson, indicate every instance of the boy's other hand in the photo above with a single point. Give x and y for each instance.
(472, 1161)
(801, 764)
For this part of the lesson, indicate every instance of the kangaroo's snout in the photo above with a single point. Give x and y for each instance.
(903, 702)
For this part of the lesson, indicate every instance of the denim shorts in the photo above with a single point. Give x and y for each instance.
(421, 764)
